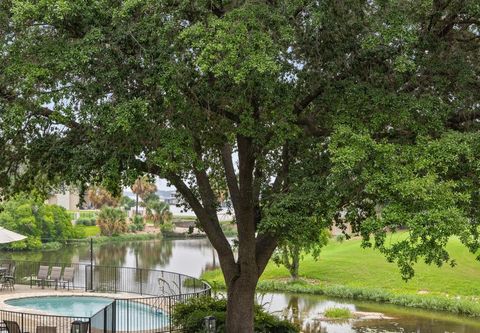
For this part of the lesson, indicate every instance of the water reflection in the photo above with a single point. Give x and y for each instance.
(306, 309)
(191, 257)
(194, 256)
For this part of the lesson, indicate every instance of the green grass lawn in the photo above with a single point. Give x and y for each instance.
(91, 231)
(347, 264)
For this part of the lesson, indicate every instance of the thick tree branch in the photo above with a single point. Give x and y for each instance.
(265, 245)
(209, 224)
(205, 105)
(305, 102)
(209, 199)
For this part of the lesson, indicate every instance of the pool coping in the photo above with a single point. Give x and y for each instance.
(52, 292)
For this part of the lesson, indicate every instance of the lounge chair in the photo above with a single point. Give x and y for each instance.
(12, 327)
(41, 277)
(46, 329)
(55, 275)
(67, 278)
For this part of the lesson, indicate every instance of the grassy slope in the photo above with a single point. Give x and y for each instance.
(365, 274)
(92, 231)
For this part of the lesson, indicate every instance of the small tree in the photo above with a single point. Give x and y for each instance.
(289, 254)
(112, 221)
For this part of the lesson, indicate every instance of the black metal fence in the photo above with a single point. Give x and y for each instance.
(159, 292)
(40, 323)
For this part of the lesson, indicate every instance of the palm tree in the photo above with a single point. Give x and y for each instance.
(142, 188)
(157, 210)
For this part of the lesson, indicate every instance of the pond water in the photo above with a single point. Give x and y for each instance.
(194, 256)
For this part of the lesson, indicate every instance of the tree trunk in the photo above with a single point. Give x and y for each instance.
(136, 204)
(295, 263)
(240, 304)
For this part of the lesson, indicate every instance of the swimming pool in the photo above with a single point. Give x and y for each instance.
(130, 315)
(74, 306)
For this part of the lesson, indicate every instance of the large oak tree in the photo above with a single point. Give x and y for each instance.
(363, 112)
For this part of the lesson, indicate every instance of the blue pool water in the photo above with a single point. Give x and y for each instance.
(129, 315)
(75, 306)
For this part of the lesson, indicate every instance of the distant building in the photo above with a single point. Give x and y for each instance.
(170, 197)
(69, 199)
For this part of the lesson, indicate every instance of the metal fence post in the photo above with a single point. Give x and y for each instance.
(86, 278)
(114, 316)
(141, 282)
(170, 312)
(91, 263)
(105, 320)
(128, 315)
(179, 284)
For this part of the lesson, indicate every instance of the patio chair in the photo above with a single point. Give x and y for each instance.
(12, 326)
(55, 276)
(4, 268)
(41, 277)
(67, 278)
(9, 278)
(46, 329)
(3, 283)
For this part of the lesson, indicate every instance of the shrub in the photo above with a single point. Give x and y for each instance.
(138, 223)
(79, 232)
(112, 221)
(190, 316)
(340, 238)
(88, 222)
(167, 227)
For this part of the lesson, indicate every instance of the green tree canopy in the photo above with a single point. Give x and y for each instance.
(368, 109)
(38, 221)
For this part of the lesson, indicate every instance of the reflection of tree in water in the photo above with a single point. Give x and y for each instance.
(107, 256)
(64, 255)
(214, 264)
(150, 255)
(299, 313)
(111, 254)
